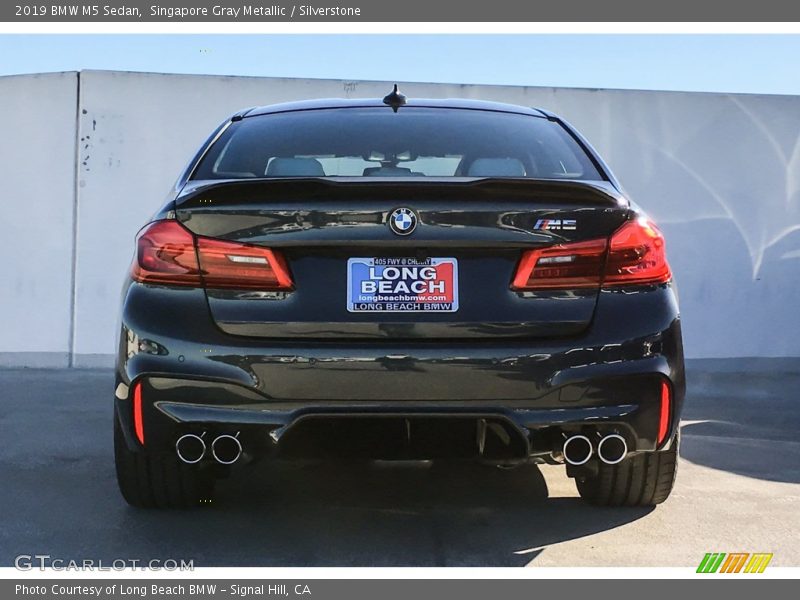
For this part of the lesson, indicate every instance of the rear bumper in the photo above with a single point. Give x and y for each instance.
(196, 378)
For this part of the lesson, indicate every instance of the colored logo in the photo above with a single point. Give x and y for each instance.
(734, 562)
(403, 221)
(556, 225)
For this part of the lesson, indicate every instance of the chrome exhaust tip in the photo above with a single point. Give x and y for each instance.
(190, 448)
(226, 449)
(577, 450)
(612, 449)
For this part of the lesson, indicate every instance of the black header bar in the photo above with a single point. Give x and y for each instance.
(465, 11)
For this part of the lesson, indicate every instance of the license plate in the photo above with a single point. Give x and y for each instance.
(402, 285)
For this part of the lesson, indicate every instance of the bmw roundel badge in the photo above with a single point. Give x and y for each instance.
(403, 221)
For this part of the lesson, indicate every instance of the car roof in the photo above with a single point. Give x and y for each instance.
(376, 102)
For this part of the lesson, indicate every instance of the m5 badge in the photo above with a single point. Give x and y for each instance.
(556, 224)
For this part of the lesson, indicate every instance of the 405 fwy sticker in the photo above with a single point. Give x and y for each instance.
(402, 285)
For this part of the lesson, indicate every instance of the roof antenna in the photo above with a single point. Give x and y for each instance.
(395, 99)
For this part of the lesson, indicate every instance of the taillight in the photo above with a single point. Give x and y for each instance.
(637, 255)
(576, 265)
(634, 255)
(241, 266)
(165, 254)
(168, 253)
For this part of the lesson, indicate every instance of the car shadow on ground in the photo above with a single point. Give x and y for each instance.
(725, 446)
(744, 422)
(403, 514)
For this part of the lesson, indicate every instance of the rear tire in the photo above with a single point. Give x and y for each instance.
(158, 481)
(644, 479)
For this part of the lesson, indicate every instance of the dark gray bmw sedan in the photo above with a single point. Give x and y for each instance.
(398, 279)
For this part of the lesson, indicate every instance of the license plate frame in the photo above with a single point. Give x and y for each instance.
(377, 270)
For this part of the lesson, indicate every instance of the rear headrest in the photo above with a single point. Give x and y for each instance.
(295, 167)
(496, 167)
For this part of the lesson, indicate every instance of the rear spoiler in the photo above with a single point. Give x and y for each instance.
(403, 190)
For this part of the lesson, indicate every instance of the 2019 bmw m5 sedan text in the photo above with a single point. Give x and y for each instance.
(397, 279)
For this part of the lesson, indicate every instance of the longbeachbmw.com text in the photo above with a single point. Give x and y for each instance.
(178, 13)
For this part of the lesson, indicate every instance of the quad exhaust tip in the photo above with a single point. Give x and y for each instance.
(190, 448)
(226, 449)
(612, 449)
(577, 450)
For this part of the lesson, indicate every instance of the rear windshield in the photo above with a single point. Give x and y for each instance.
(414, 142)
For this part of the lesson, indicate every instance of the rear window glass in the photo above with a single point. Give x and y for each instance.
(414, 142)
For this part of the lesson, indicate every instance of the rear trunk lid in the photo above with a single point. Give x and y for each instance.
(333, 233)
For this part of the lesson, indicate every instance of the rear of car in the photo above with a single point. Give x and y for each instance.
(439, 279)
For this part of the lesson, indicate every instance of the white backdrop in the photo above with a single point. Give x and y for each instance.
(720, 173)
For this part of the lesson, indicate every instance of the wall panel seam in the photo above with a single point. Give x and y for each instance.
(74, 233)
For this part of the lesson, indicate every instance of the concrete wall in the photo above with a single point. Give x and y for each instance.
(720, 173)
(37, 179)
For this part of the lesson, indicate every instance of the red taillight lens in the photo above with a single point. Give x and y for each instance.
(577, 265)
(664, 413)
(138, 419)
(635, 255)
(240, 266)
(168, 253)
(165, 254)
